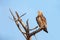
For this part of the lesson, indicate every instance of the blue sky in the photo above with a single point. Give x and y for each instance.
(50, 8)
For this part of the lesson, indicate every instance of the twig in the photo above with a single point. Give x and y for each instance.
(27, 31)
(23, 14)
(27, 25)
(33, 28)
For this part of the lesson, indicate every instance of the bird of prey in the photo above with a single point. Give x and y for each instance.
(41, 21)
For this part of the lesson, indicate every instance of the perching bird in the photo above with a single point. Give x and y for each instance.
(41, 21)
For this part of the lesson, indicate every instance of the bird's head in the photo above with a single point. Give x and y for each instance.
(40, 13)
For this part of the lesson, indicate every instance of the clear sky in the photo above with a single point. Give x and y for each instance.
(50, 8)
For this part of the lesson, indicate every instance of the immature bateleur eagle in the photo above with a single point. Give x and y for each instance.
(41, 21)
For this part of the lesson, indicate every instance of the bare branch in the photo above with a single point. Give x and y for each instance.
(16, 21)
(27, 31)
(27, 24)
(34, 32)
(23, 14)
(12, 14)
(33, 28)
(20, 29)
(21, 22)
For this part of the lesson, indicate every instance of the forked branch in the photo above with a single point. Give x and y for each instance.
(20, 21)
(16, 21)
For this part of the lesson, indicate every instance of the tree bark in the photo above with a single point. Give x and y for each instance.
(28, 38)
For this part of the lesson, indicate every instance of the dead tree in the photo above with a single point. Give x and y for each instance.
(27, 33)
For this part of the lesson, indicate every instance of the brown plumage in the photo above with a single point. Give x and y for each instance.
(41, 21)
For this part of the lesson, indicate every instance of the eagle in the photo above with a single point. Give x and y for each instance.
(41, 21)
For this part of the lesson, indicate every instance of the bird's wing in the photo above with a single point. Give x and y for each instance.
(38, 19)
(44, 20)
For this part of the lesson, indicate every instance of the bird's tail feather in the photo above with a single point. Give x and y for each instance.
(45, 29)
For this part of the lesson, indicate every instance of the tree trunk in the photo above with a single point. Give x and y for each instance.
(28, 38)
